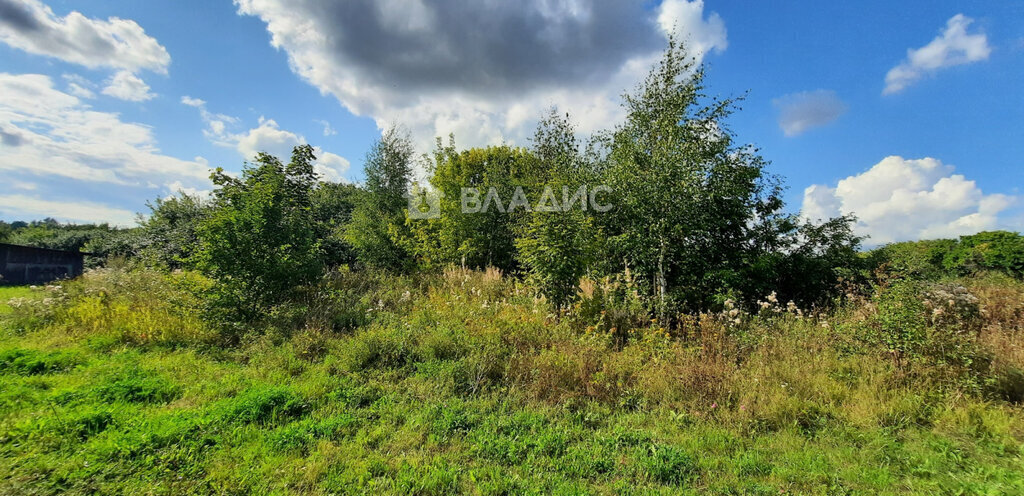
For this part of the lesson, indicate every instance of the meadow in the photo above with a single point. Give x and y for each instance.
(471, 382)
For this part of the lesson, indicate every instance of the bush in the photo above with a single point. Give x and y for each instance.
(901, 321)
(258, 242)
(610, 307)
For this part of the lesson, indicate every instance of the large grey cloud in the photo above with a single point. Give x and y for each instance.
(31, 26)
(481, 69)
(484, 47)
(18, 16)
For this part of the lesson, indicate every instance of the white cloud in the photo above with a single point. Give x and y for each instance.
(79, 86)
(953, 47)
(328, 130)
(30, 207)
(117, 43)
(127, 86)
(901, 199)
(80, 91)
(267, 137)
(216, 124)
(799, 112)
(702, 36)
(60, 135)
(469, 77)
(193, 102)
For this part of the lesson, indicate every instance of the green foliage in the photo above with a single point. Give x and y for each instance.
(693, 209)
(332, 208)
(101, 240)
(913, 259)
(170, 233)
(134, 385)
(33, 362)
(902, 323)
(259, 243)
(559, 248)
(1000, 251)
(476, 388)
(377, 227)
(995, 251)
(473, 240)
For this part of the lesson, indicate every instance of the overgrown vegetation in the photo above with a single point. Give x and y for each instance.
(292, 335)
(466, 381)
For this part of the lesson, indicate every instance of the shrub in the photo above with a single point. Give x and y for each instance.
(901, 321)
(258, 242)
(611, 307)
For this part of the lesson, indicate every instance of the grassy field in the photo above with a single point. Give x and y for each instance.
(9, 292)
(467, 383)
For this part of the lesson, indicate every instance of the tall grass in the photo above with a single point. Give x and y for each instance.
(470, 382)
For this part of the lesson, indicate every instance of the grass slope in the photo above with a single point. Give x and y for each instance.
(467, 384)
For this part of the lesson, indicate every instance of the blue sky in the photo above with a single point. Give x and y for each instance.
(908, 114)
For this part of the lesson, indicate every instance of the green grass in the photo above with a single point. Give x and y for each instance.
(439, 395)
(9, 292)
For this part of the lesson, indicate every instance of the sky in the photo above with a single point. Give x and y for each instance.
(907, 114)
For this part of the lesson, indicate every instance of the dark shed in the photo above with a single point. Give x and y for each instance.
(31, 265)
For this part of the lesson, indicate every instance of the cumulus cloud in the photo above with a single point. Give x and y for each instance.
(951, 48)
(127, 86)
(489, 75)
(71, 140)
(21, 206)
(267, 137)
(31, 26)
(901, 199)
(799, 112)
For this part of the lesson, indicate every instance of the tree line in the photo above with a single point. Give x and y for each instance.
(696, 218)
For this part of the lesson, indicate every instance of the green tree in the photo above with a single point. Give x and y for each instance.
(481, 238)
(991, 250)
(169, 235)
(558, 247)
(258, 242)
(377, 228)
(687, 199)
(333, 205)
